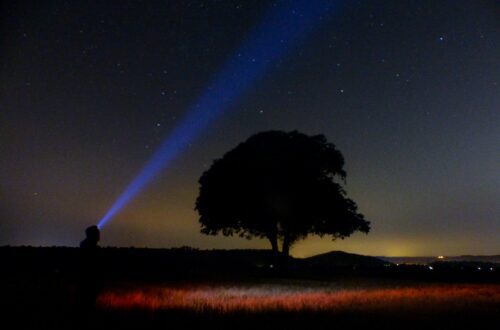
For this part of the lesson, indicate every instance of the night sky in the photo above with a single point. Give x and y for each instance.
(409, 92)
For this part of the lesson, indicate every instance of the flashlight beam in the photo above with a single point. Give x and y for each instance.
(283, 28)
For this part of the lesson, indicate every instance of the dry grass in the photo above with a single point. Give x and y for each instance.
(226, 299)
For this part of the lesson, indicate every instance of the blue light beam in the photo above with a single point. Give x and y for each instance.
(283, 28)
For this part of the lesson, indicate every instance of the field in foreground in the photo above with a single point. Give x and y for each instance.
(300, 297)
(299, 304)
(360, 303)
(190, 289)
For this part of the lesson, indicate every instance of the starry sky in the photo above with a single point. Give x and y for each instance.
(409, 92)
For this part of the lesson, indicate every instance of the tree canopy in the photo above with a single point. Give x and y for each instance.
(282, 186)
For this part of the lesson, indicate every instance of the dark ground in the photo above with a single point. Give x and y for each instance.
(40, 289)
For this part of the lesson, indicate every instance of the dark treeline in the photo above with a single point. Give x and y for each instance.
(187, 263)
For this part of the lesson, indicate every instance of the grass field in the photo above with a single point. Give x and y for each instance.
(299, 304)
(160, 289)
(362, 303)
(300, 297)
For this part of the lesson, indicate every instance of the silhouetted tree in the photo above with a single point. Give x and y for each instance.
(281, 186)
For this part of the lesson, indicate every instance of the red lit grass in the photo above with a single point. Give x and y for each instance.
(267, 298)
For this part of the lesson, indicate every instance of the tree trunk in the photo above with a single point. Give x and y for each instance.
(274, 243)
(285, 251)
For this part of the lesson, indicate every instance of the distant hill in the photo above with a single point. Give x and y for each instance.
(428, 260)
(184, 262)
(494, 259)
(340, 259)
(189, 263)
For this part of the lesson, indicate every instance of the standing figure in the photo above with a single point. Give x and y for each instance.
(89, 274)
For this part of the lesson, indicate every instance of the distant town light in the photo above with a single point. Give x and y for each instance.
(478, 268)
(431, 268)
(440, 257)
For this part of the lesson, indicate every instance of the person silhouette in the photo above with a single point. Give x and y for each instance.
(89, 274)
(93, 235)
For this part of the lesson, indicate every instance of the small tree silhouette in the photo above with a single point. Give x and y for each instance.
(281, 186)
